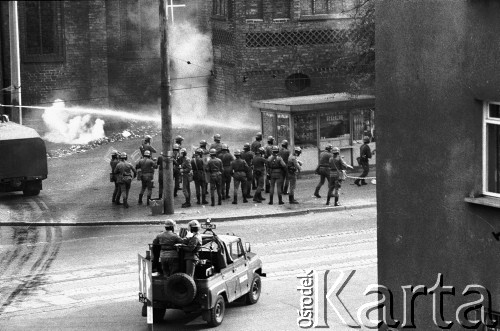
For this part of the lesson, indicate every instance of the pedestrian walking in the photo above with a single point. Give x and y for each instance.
(239, 171)
(323, 169)
(147, 167)
(337, 165)
(267, 155)
(185, 169)
(199, 177)
(125, 173)
(169, 257)
(214, 167)
(285, 154)
(294, 166)
(248, 156)
(365, 154)
(112, 177)
(259, 173)
(277, 169)
(226, 159)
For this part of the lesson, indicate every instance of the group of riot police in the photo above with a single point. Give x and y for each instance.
(257, 167)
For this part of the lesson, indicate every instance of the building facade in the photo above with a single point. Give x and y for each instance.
(106, 53)
(438, 170)
(278, 48)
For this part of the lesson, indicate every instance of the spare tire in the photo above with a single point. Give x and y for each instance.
(180, 289)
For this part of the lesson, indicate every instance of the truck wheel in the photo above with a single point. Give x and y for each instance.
(254, 294)
(158, 314)
(180, 289)
(216, 314)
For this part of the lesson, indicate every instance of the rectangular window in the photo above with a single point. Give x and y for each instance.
(281, 9)
(254, 9)
(42, 25)
(321, 7)
(219, 8)
(491, 150)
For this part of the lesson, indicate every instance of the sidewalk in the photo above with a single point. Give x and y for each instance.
(351, 197)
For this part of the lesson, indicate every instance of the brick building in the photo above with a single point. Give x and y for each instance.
(106, 53)
(277, 48)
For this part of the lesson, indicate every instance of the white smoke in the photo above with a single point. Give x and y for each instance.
(191, 58)
(64, 128)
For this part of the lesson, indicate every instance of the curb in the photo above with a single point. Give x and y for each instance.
(184, 221)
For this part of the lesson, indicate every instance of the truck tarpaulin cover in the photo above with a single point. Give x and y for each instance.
(22, 152)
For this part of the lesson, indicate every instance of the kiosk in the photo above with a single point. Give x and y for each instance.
(312, 122)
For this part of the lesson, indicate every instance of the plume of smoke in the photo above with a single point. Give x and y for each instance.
(62, 128)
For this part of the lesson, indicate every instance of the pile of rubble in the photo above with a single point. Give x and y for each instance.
(133, 131)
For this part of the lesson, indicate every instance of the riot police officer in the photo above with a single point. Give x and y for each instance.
(293, 168)
(277, 168)
(365, 154)
(214, 168)
(176, 168)
(267, 155)
(146, 145)
(336, 165)
(147, 167)
(259, 173)
(199, 176)
(239, 171)
(248, 156)
(112, 177)
(125, 173)
(285, 154)
(179, 140)
(226, 159)
(323, 168)
(185, 170)
(217, 145)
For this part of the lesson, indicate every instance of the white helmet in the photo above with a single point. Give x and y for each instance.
(194, 224)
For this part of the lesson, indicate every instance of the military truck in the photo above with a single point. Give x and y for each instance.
(226, 272)
(23, 161)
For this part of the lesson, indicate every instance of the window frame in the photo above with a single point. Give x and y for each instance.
(487, 120)
(59, 55)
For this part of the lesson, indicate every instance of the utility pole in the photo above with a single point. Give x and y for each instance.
(166, 114)
(15, 70)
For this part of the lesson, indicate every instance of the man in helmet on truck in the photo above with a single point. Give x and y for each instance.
(169, 257)
(192, 247)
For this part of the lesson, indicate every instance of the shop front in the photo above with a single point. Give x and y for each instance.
(312, 122)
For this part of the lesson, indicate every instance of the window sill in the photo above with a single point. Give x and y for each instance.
(322, 17)
(485, 201)
(254, 20)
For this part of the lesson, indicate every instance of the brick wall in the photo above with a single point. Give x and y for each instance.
(264, 52)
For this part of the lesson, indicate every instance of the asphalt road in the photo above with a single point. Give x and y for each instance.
(67, 278)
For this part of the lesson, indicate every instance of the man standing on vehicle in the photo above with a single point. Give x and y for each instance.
(169, 257)
(125, 173)
(192, 247)
(147, 167)
(323, 168)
